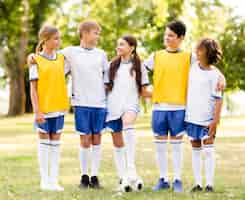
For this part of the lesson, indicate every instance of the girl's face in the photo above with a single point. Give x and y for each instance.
(123, 48)
(91, 37)
(53, 42)
(201, 53)
(171, 39)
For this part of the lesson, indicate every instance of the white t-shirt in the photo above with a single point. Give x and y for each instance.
(124, 95)
(149, 65)
(201, 95)
(88, 67)
(33, 75)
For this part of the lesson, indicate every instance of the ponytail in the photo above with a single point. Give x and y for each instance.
(136, 68)
(39, 46)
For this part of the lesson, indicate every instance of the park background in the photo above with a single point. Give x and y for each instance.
(20, 21)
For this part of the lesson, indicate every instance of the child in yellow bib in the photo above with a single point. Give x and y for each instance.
(51, 88)
(170, 76)
(50, 102)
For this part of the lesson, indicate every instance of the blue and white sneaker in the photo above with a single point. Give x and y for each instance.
(177, 186)
(161, 185)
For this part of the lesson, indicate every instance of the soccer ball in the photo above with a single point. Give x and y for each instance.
(137, 184)
(124, 185)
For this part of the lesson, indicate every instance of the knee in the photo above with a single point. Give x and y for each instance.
(96, 139)
(196, 143)
(85, 141)
(117, 140)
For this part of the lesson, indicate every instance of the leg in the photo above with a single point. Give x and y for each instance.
(54, 161)
(43, 154)
(160, 129)
(97, 125)
(177, 130)
(209, 153)
(82, 124)
(197, 164)
(85, 142)
(96, 154)
(177, 156)
(119, 154)
(128, 120)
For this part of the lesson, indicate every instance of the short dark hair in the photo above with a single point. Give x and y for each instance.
(178, 27)
(214, 52)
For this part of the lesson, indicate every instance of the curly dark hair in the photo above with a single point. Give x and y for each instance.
(213, 50)
(136, 67)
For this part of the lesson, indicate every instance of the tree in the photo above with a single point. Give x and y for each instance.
(16, 33)
(233, 46)
(15, 49)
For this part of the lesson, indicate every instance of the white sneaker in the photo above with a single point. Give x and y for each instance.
(56, 187)
(136, 183)
(124, 185)
(44, 186)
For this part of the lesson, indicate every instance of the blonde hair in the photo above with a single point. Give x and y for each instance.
(87, 26)
(45, 33)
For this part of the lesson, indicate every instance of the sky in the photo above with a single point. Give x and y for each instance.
(238, 5)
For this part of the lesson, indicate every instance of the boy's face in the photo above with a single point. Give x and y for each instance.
(53, 42)
(91, 36)
(171, 39)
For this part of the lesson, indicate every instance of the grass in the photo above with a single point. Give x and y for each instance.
(19, 176)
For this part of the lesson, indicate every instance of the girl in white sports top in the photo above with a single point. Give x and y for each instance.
(128, 80)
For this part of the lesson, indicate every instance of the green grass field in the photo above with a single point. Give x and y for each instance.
(19, 176)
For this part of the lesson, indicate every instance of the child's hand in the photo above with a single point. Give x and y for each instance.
(39, 117)
(212, 128)
(31, 59)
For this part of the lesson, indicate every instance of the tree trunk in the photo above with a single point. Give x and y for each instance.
(17, 95)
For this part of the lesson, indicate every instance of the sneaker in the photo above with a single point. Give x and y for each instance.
(196, 188)
(161, 185)
(44, 186)
(84, 183)
(177, 186)
(136, 183)
(124, 185)
(56, 187)
(94, 182)
(209, 188)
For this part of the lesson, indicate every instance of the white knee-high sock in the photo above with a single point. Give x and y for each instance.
(130, 145)
(162, 158)
(95, 159)
(84, 159)
(209, 153)
(197, 165)
(120, 162)
(43, 158)
(54, 161)
(177, 158)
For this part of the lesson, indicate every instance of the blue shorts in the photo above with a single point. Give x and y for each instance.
(115, 125)
(89, 120)
(168, 121)
(51, 125)
(196, 132)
